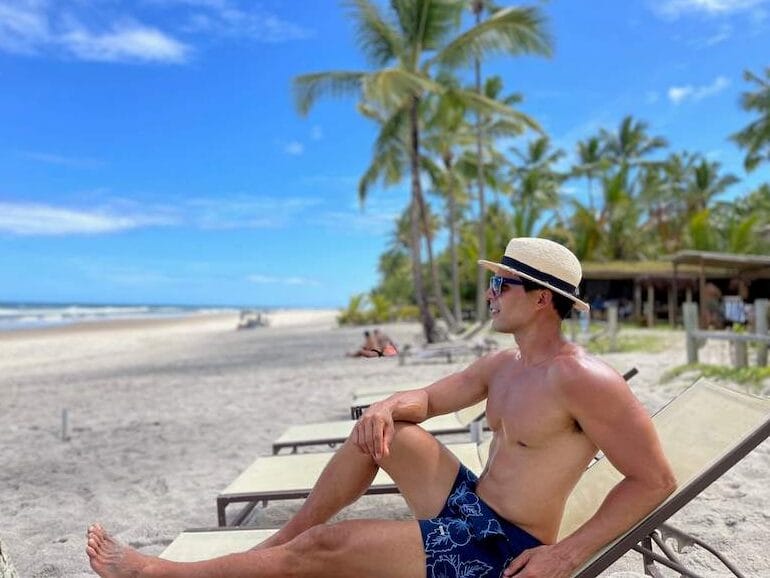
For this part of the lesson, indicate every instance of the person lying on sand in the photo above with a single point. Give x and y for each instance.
(550, 405)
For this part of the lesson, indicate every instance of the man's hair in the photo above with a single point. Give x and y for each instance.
(561, 304)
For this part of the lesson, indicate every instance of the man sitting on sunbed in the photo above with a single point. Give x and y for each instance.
(550, 407)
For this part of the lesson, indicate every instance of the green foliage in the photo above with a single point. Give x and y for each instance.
(354, 314)
(375, 308)
(755, 138)
(627, 344)
(752, 375)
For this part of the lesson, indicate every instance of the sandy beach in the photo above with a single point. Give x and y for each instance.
(163, 414)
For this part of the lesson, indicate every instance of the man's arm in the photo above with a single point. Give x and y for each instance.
(611, 416)
(374, 431)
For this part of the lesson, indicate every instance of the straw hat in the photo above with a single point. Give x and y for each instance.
(545, 262)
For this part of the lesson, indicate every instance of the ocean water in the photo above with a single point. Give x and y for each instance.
(33, 315)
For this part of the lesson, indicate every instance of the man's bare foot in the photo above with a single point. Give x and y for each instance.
(110, 559)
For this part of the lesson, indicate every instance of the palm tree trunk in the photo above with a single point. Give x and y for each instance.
(453, 255)
(428, 323)
(481, 278)
(446, 314)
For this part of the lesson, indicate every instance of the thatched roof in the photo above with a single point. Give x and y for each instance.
(733, 261)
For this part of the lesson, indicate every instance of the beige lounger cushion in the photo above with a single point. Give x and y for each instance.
(341, 429)
(194, 545)
(298, 472)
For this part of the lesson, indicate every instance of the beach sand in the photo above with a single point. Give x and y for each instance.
(162, 415)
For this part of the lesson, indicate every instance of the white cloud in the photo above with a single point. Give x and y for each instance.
(226, 18)
(270, 280)
(316, 133)
(42, 219)
(672, 9)
(125, 42)
(678, 94)
(37, 27)
(23, 26)
(294, 148)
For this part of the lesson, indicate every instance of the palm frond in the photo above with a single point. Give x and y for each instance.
(308, 88)
(392, 87)
(485, 105)
(508, 31)
(379, 41)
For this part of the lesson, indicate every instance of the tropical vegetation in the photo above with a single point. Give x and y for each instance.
(447, 131)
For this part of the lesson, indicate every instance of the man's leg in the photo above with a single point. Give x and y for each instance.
(422, 468)
(350, 549)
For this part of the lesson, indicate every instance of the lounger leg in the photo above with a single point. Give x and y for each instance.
(647, 560)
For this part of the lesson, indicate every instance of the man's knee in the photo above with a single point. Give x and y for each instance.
(322, 541)
(407, 436)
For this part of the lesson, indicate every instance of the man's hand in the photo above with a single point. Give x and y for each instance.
(540, 562)
(374, 431)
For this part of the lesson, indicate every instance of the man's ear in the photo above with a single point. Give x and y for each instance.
(545, 297)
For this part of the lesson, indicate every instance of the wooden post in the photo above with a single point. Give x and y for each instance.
(64, 426)
(637, 301)
(612, 325)
(672, 306)
(702, 295)
(650, 305)
(690, 318)
(760, 323)
(741, 353)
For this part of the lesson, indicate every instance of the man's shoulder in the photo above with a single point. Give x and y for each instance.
(577, 373)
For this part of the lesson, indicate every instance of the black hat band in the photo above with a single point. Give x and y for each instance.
(540, 275)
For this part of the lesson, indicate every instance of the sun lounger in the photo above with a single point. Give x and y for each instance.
(289, 477)
(334, 432)
(704, 431)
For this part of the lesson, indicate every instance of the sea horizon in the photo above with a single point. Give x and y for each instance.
(39, 314)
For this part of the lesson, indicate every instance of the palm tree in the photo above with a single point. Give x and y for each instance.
(755, 138)
(404, 48)
(591, 162)
(705, 185)
(536, 184)
(630, 144)
(389, 163)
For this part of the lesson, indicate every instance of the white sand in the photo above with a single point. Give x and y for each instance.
(163, 415)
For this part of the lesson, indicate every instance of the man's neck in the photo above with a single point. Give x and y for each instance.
(539, 342)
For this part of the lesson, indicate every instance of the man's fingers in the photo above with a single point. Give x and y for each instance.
(370, 437)
(388, 434)
(377, 439)
(517, 564)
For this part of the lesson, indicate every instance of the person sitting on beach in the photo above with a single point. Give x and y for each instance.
(386, 347)
(550, 405)
(370, 347)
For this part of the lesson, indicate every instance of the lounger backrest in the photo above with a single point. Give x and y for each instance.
(473, 413)
(700, 430)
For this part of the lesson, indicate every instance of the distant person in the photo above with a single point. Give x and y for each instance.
(386, 347)
(370, 347)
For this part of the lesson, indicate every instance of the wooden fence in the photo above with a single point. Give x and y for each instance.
(696, 337)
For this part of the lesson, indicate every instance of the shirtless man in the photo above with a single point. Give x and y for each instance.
(550, 406)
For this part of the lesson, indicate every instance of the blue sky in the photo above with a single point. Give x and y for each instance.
(150, 151)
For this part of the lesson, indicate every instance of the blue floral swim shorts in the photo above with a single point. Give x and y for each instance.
(468, 539)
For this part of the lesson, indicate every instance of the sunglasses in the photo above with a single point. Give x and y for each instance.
(496, 284)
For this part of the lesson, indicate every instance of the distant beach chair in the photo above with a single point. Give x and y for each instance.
(705, 431)
(250, 319)
(334, 432)
(469, 342)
